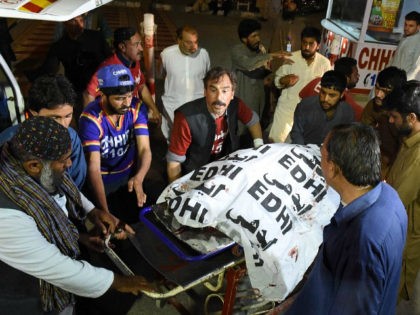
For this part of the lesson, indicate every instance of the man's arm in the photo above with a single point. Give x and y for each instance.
(179, 143)
(95, 179)
(297, 132)
(28, 251)
(174, 170)
(150, 103)
(144, 159)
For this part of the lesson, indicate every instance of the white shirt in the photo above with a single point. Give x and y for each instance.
(23, 247)
(289, 98)
(407, 56)
(184, 77)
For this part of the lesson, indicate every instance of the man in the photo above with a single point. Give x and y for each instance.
(251, 64)
(404, 112)
(358, 267)
(184, 65)
(407, 55)
(80, 51)
(206, 129)
(115, 137)
(53, 96)
(39, 264)
(291, 78)
(348, 67)
(316, 115)
(128, 50)
(375, 115)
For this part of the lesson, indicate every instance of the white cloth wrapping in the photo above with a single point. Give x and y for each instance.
(272, 200)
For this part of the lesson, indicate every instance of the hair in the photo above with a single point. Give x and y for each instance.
(310, 31)
(122, 34)
(216, 73)
(187, 29)
(413, 16)
(248, 26)
(354, 148)
(50, 92)
(405, 100)
(334, 79)
(391, 78)
(345, 65)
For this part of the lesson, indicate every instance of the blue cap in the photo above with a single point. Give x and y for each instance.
(114, 76)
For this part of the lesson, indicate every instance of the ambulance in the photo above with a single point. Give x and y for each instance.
(367, 30)
(11, 99)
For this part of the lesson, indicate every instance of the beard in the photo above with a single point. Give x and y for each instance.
(49, 179)
(307, 54)
(255, 47)
(404, 130)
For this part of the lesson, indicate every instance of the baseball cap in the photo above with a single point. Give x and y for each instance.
(123, 33)
(114, 76)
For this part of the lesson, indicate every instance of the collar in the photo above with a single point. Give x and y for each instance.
(412, 141)
(357, 206)
(125, 61)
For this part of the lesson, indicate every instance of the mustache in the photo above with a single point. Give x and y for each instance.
(218, 103)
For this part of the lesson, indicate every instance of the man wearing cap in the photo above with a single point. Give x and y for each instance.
(207, 128)
(315, 116)
(128, 50)
(115, 137)
(184, 66)
(39, 208)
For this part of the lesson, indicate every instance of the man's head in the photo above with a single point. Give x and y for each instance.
(74, 27)
(187, 38)
(310, 39)
(249, 33)
(403, 105)
(52, 96)
(411, 23)
(351, 151)
(116, 84)
(44, 148)
(388, 79)
(348, 67)
(333, 84)
(127, 42)
(219, 90)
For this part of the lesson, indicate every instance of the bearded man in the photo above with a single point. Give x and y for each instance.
(40, 208)
(291, 78)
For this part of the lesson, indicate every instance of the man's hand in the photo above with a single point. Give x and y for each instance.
(283, 57)
(95, 243)
(136, 184)
(107, 224)
(289, 80)
(131, 284)
(155, 117)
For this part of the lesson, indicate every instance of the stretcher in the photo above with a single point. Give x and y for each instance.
(183, 268)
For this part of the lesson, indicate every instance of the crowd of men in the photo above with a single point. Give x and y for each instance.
(53, 175)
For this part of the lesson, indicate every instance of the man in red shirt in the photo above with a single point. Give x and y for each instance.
(348, 67)
(128, 50)
(207, 128)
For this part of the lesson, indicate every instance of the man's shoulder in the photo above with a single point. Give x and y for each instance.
(170, 50)
(193, 107)
(111, 60)
(8, 134)
(93, 109)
